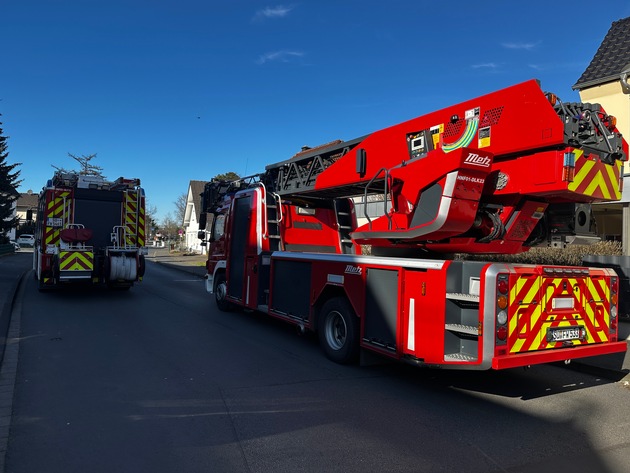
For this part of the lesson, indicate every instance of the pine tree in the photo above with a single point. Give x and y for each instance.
(8, 190)
(228, 176)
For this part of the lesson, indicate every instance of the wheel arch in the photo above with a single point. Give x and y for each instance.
(218, 271)
(329, 292)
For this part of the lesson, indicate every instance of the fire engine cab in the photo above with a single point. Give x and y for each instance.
(494, 175)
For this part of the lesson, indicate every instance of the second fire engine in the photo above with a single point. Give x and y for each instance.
(89, 230)
(493, 175)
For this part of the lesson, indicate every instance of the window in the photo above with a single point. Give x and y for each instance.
(218, 227)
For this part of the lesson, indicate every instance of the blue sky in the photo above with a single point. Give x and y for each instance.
(173, 91)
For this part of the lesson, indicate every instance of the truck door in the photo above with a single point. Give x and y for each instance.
(243, 246)
(238, 245)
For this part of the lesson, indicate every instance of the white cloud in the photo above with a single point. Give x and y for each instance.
(280, 56)
(525, 46)
(279, 11)
(486, 65)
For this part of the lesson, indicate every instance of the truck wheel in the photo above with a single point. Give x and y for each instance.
(338, 331)
(220, 291)
(41, 287)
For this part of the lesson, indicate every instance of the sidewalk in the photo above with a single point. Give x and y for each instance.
(13, 267)
(190, 263)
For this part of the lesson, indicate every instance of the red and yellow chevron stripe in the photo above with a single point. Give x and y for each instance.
(596, 179)
(141, 223)
(532, 311)
(58, 211)
(132, 218)
(76, 261)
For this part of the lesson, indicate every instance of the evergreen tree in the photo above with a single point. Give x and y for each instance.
(228, 176)
(8, 190)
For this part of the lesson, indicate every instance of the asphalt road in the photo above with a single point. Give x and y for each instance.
(156, 379)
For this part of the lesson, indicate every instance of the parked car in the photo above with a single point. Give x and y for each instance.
(16, 247)
(26, 240)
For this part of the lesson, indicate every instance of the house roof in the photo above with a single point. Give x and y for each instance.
(610, 59)
(27, 200)
(196, 189)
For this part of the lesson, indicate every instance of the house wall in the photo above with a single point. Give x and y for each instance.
(615, 102)
(191, 226)
(614, 219)
(11, 233)
(191, 242)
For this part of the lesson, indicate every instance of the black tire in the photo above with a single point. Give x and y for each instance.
(41, 287)
(220, 292)
(118, 286)
(141, 266)
(338, 331)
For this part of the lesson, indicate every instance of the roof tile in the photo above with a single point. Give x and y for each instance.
(611, 57)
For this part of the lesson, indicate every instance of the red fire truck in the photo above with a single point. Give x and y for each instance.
(89, 230)
(493, 175)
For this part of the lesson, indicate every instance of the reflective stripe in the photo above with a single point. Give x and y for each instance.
(59, 206)
(596, 179)
(76, 261)
(532, 311)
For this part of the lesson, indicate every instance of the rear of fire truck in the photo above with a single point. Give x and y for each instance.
(89, 231)
(495, 175)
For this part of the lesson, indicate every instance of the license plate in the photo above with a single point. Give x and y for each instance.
(55, 222)
(566, 333)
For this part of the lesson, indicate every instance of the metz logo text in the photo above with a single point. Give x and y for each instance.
(476, 160)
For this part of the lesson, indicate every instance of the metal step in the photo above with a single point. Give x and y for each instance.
(462, 297)
(468, 329)
(459, 357)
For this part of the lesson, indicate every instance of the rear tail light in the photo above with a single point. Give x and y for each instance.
(614, 300)
(610, 122)
(502, 333)
(568, 168)
(501, 305)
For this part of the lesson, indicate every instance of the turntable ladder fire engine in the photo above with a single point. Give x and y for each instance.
(496, 174)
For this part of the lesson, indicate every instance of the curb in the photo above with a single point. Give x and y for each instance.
(5, 315)
(8, 372)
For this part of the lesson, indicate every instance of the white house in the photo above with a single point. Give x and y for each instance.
(191, 217)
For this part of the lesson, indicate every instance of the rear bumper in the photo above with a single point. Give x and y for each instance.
(563, 354)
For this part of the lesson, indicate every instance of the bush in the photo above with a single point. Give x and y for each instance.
(572, 255)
